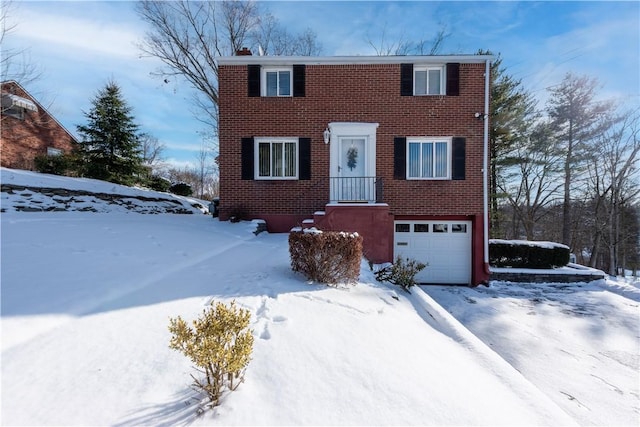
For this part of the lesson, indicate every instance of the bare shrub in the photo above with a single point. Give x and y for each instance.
(326, 257)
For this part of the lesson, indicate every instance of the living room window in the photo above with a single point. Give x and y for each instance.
(428, 80)
(276, 158)
(428, 158)
(277, 82)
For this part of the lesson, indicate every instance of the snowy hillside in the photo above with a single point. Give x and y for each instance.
(27, 191)
(86, 301)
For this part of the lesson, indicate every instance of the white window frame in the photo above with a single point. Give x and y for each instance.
(426, 69)
(272, 141)
(263, 81)
(434, 140)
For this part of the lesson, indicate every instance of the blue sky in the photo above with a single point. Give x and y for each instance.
(80, 45)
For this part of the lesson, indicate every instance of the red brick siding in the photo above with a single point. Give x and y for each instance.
(350, 93)
(22, 140)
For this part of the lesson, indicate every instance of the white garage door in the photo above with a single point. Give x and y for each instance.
(444, 245)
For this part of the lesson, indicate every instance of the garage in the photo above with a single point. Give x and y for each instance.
(444, 245)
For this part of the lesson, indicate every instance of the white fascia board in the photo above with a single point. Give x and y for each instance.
(350, 60)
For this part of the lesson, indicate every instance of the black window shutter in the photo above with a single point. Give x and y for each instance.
(253, 80)
(298, 80)
(458, 158)
(406, 79)
(399, 157)
(304, 153)
(453, 79)
(246, 154)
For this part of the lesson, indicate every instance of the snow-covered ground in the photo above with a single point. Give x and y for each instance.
(86, 299)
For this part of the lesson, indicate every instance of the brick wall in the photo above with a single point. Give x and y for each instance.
(350, 93)
(22, 140)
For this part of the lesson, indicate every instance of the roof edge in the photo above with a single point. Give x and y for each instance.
(350, 60)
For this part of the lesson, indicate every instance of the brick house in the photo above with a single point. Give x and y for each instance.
(394, 148)
(27, 129)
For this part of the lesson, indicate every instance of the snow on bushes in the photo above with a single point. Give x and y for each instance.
(326, 257)
(527, 254)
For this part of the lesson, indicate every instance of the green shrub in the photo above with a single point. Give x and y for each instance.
(218, 345)
(525, 254)
(159, 183)
(401, 273)
(56, 165)
(326, 257)
(181, 189)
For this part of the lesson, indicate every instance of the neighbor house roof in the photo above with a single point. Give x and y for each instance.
(30, 103)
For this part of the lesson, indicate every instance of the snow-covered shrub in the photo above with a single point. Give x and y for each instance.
(219, 345)
(326, 257)
(401, 273)
(527, 254)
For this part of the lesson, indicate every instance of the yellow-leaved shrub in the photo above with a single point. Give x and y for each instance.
(219, 344)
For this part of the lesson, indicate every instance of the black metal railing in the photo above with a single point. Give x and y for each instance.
(366, 189)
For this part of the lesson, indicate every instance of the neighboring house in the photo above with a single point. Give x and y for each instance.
(28, 130)
(392, 147)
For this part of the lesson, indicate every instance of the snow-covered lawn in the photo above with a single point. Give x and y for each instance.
(86, 300)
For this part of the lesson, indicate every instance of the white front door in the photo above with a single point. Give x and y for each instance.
(352, 169)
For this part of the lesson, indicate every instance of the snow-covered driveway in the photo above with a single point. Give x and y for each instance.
(579, 343)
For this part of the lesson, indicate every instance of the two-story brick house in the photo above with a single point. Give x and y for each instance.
(394, 148)
(28, 130)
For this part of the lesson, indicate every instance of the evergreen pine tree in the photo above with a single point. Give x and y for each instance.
(110, 140)
(512, 112)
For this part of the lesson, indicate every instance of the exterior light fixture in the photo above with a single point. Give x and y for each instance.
(327, 135)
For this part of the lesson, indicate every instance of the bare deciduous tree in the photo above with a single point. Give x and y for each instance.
(152, 150)
(384, 47)
(15, 64)
(271, 38)
(529, 182)
(613, 177)
(576, 121)
(188, 37)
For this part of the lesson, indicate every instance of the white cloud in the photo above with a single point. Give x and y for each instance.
(99, 35)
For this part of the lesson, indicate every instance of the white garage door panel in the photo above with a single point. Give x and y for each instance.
(447, 253)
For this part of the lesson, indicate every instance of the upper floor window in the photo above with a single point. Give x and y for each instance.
(282, 81)
(428, 80)
(428, 158)
(277, 82)
(420, 80)
(276, 158)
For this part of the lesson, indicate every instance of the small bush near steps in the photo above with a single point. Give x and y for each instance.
(401, 273)
(326, 257)
(219, 345)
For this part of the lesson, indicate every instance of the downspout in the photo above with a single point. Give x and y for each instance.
(485, 165)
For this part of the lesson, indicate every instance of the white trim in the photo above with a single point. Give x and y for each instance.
(256, 158)
(348, 60)
(421, 139)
